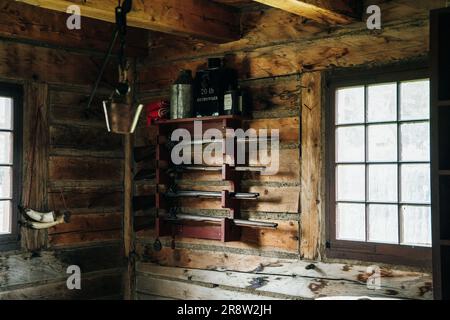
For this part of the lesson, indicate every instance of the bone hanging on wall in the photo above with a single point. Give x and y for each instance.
(43, 220)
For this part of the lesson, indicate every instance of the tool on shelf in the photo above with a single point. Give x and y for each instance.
(171, 144)
(237, 222)
(211, 194)
(183, 168)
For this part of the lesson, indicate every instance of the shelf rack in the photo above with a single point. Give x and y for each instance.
(222, 229)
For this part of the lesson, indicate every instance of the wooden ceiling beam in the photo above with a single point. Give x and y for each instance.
(331, 12)
(202, 19)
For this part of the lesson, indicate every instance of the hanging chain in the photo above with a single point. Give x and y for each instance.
(122, 28)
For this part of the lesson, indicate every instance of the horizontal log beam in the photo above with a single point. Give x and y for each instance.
(22, 23)
(331, 12)
(322, 280)
(197, 18)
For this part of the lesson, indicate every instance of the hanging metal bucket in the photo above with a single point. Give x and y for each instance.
(121, 118)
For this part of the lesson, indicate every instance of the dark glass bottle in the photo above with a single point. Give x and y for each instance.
(210, 86)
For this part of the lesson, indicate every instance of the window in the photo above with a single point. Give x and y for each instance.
(10, 163)
(380, 206)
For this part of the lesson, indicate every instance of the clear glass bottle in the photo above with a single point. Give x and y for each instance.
(232, 101)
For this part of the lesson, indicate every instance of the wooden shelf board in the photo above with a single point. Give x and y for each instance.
(445, 243)
(207, 119)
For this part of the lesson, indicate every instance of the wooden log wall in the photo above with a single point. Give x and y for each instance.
(79, 166)
(280, 59)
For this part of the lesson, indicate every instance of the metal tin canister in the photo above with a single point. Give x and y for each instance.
(181, 100)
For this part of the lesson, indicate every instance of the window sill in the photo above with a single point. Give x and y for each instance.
(381, 253)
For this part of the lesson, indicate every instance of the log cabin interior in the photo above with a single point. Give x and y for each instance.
(346, 195)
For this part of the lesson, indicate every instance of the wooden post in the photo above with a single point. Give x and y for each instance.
(128, 214)
(311, 165)
(128, 219)
(35, 175)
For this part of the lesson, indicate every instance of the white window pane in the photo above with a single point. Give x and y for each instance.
(351, 222)
(350, 144)
(350, 105)
(383, 224)
(415, 142)
(6, 120)
(415, 100)
(5, 183)
(6, 148)
(382, 102)
(5, 217)
(382, 143)
(383, 184)
(351, 183)
(416, 226)
(415, 184)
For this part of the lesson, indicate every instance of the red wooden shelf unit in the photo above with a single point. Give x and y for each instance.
(222, 229)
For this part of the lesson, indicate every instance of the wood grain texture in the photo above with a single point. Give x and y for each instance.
(311, 165)
(30, 275)
(21, 22)
(270, 27)
(80, 223)
(85, 170)
(128, 220)
(35, 160)
(26, 62)
(396, 281)
(85, 138)
(95, 285)
(200, 18)
(69, 108)
(406, 40)
(72, 168)
(284, 239)
(72, 239)
(276, 284)
(327, 12)
(86, 200)
(188, 291)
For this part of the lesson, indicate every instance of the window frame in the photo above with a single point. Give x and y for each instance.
(358, 250)
(11, 241)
